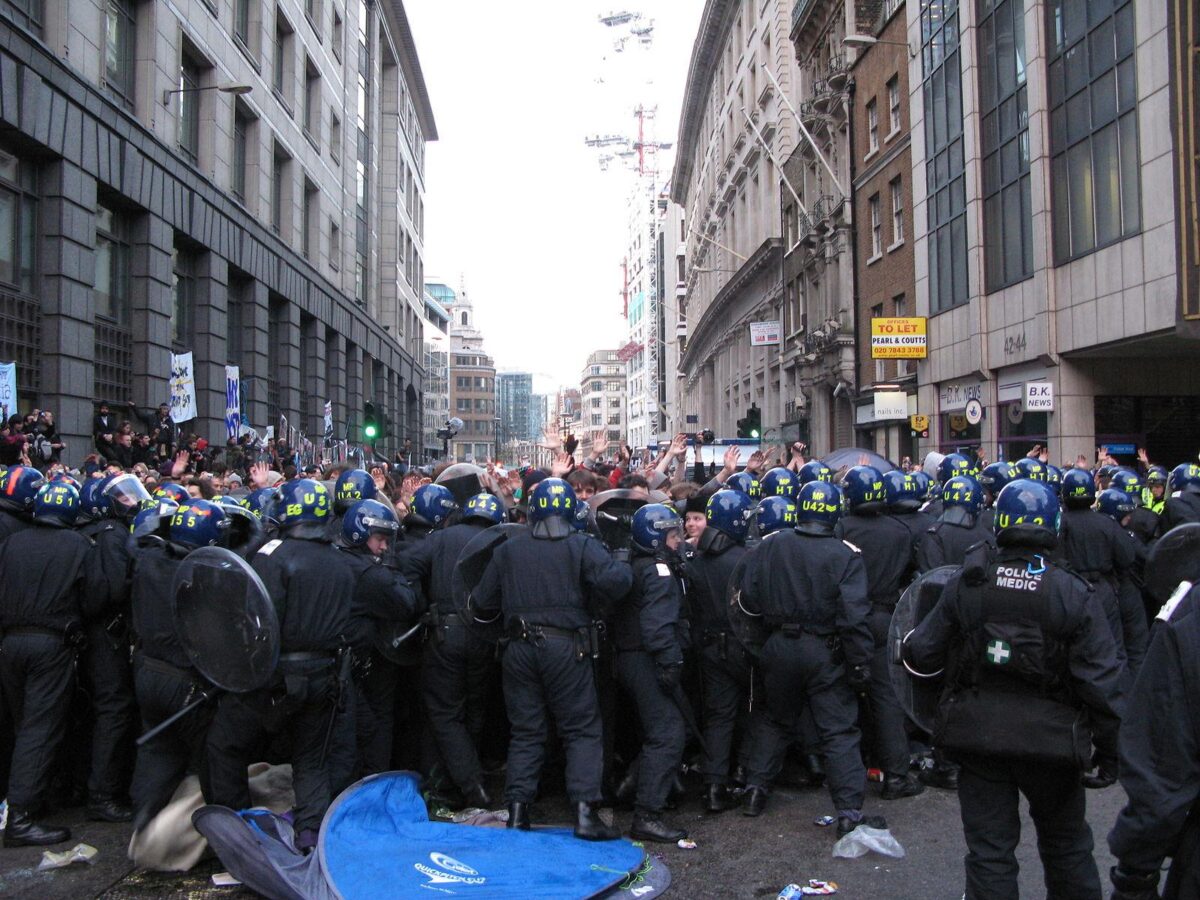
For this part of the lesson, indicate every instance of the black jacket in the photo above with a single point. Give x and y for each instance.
(653, 621)
(381, 593)
(1178, 511)
(944, 544)
(431, 562)
(886, 554)
(312, 586)
(42, 578)
(109, 570)
(710, 573)
(154, 566)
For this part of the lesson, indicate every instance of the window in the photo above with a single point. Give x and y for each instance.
(876, 229)
(26, 13)
(282, 75)
(337, 40)
(183, 295)
(190, 98)
(1093, 125)
(312, 102)
(946, 189)
(597, 420)
(112, 265)
(872, 127)
(900, 310)
(1004, 127)
(335, 136)
(243, 127)
(335, 245)
(310, 217)
(280, 191)
(120, 27)
(897, 212)
(880, 364)
(893, 90)
(18, 222)
(597, 386)
(312, 12)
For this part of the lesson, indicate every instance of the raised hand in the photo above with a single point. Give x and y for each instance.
(563, 463)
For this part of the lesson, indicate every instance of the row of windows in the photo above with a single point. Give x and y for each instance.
(896, 191)
(470, 383)
(893, 98)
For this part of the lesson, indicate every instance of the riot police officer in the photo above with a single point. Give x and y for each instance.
(1143, 523)
(992, 478)
(538, 581)
(652, 636)
(958, 528)
(724, 667)
(383, 596)
(42, 582)
(1185, 505)
(312, 587)
(902, 493)
(951, 464)
(1029, 660)
(352, 485)
(779, 482)
(810, 590)
(432, 505)
(456, 661)
(105, 658)
(18, 486)
(164, 678)
(887, 558)
(1097, 549)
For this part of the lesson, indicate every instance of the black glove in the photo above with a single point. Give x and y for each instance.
(1104, 776)
(859, 678)
(1133, 885)
(669, 677)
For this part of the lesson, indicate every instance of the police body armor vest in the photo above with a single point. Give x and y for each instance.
(1008, 689)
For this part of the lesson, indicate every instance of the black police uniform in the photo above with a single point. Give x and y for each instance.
(651, 636)
(456, 663)
(164, 682)
(916, 522)
(1179, 511)
(11, 523)
(1143, 524)
(539, 585)
(106, 664)
(312, 587)
(946, 543)
(725, 667)
(382, 596)
(1097, 549)
(42, 582)
(811, 591)
(1026, 649)
(1160, 764)
(887, 558)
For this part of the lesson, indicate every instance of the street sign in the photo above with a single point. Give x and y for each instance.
(919, 422)
(1039, 396)
(765, 334)
(898, 338)
(973, 412)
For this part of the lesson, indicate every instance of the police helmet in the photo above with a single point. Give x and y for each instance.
(153, 519)
(1185, 478)
(863, 487)
(169, 490)
(303, 508)
(486, 507)
(1027, 514)
(263, 502)
(351, 486)
(1053, 475)
(1116, 503)
(245, 530)
(775, 514)
(962, 499)
(815, 470)
(818, 508)
(1078, 488)
(61, 477)
(93, 504)
(198, 523)
(365, 518)
(552, 498)
(18, 486)
(996, 475)
(651, 525)
(57, 504)
(1033, 469)
(1129, 482)
(924, 484)
(729, 513)
(901, 491)
(746, 483)
(952, 464)
(1157, 475)
(432, 504)
(779, 482)
(126, 496)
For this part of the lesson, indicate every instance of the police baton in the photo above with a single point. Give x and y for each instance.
(689, 718)
(205, 695)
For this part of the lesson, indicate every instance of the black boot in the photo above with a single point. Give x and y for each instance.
(816, 770)
(518, 815)
(897, 787)
(627, 788)
(477, 798)
(943, 774)
(716, 798)
(755, 802)
(590, 827)
(845, 824)
(649, 826)
(22, 831)
(108, 811)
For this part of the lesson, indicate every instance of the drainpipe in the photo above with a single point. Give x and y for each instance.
(850, 87)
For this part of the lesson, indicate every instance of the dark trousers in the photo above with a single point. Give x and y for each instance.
(163, 761)
(377, 713)
(36, 672)
(725, 677)
(243, 723)
(454, 687)
(549, 679)
(890, 740)
(109, 678)
(803, 670)
(988, 796)
(663, 729)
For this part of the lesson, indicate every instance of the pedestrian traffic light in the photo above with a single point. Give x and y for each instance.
(370, 426)
(751, 425)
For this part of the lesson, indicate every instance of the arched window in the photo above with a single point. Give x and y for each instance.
(464, 317)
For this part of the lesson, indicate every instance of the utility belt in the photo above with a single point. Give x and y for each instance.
(1093, 577)
(718, 639)
(438, 623)
(163, 667)
(72, 635)
(300, 686)
(587, 638)
(328, 656)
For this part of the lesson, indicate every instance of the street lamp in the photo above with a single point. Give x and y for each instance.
(236, 89)
(862, 41)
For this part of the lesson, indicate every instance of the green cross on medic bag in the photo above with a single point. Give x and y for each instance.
(998, 652)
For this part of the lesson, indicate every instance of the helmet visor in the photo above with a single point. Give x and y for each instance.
(126, 493)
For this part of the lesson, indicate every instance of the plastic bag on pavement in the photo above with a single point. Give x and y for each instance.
(864, 838)
(84, 853)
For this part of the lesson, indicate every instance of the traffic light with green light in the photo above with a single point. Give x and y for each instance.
(751, 425)
(370, 426)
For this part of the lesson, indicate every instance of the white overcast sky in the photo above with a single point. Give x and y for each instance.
(516, 205)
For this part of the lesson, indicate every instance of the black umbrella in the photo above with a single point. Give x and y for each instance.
(853, 456)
